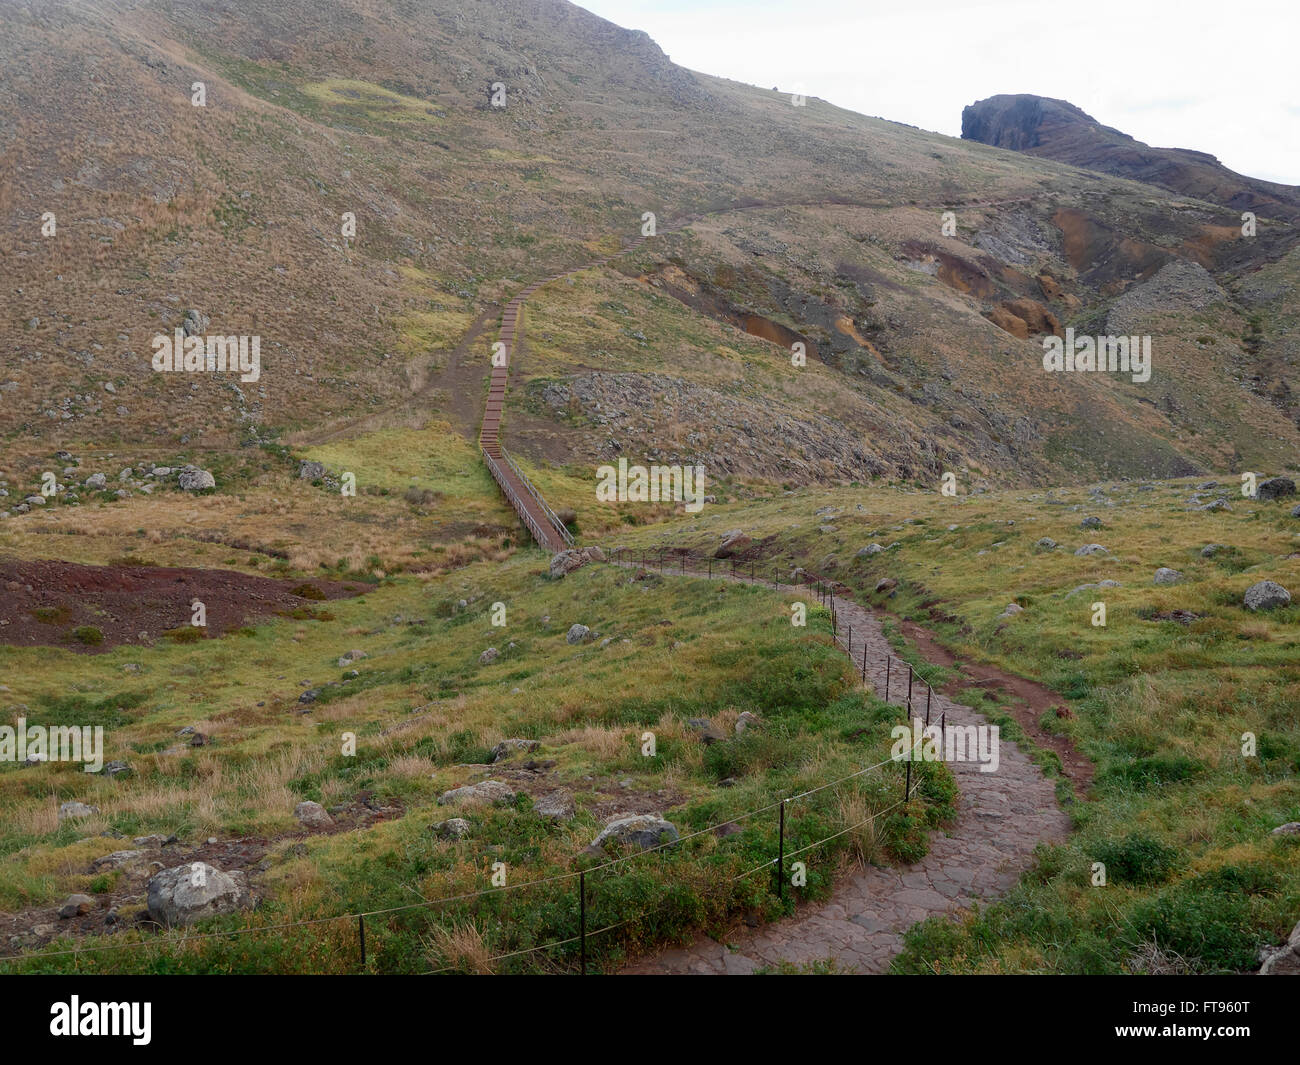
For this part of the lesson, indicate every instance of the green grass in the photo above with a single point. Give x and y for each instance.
(679, 649)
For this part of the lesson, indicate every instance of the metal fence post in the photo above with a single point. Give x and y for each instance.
(361, 930)
(888, 662)
(864, 661)
(907, 784)
(582, 921)
(909, 686)
(780, 860)
(928, 692)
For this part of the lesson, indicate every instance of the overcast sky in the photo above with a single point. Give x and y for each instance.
(1219, 77)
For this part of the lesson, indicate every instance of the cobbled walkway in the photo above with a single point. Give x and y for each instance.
(1001, 817)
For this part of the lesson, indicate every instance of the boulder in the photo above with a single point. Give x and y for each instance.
(1092, 549)
(577, 633)
(312, 815)
(745, 721)
(311, 471)
(886, 584)
(1284, 960)
(97, 482)
(76, 906)
(557, 805)
(1090, 523)
(1265, 595)
(1165, 575)
(193, 479)
(1046, 544)
(489, 656)
(1275, 488)
(869, 550)
(481, 794)
(733, 542)
(640, 830)
(1210, 550)
(1291, 828)
(115, 860)
(347, 659)
(453, 828)
(194, 891)
(1012, 610)
(69, 810)
(565, 562)
(595, 554)
(506, 748)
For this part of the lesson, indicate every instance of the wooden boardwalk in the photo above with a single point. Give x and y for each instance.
(533, 511)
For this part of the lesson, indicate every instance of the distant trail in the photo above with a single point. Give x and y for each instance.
(520, 493)
(1002, 817)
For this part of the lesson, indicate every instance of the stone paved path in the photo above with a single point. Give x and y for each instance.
(1001, 817)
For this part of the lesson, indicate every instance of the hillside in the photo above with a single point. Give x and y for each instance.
(409, 737)
(233, 209)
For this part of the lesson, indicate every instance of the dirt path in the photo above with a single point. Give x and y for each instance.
(1002, 817)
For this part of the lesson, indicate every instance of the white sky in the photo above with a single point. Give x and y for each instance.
(1220, 77)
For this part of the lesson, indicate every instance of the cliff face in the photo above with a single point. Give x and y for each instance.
(1055, 129)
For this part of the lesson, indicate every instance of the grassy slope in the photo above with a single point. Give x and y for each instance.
(724, 649)
(1178, 815)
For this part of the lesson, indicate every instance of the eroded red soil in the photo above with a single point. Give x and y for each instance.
(46, 602)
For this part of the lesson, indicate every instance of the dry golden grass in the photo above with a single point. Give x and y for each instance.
(460, 946)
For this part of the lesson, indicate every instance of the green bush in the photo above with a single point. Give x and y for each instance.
(1138, 859)
(88, 635)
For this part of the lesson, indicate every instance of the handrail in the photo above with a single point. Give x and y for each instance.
(554, 518)
(499, 476)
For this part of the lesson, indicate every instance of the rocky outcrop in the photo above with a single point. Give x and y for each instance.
(1055, 129)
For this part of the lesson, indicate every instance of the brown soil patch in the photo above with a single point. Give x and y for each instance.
(46, 601)
(1029, 700)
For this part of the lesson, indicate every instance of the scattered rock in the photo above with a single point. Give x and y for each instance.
(640, 830)
(1046, 544)
(484, 792)
(1210, 550)
(745, 721)
(733, 542)
(1092, 549)
(312, 815)
(1090, 523)
(886, 584)
(115, 860)
(76, 906)
(193, 479)
(76, 809)
(557, 805)
(1265, 595)
(454, 828)
(193, 891)
(1284, 960)
(489, 656)
(1291, 828)
(1165, 575)
(506, 748)
(869, 550)
(350, 657)
(1275, 488)
(1012, 610)
(577, 633)
(567, 561)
